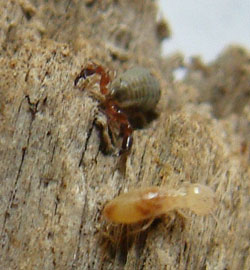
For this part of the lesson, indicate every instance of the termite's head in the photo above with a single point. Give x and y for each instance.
(200, 199)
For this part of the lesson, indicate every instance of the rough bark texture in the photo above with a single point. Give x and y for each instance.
(54, 178)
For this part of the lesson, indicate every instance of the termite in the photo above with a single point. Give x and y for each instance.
(151, 202)
(135, 90)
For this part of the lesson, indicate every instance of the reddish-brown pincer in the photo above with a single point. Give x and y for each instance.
(136, 88)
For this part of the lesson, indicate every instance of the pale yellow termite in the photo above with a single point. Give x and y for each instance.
(151, 202)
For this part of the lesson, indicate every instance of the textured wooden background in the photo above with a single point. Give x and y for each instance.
(54, 178)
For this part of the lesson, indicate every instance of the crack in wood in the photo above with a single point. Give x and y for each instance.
(89, 132)
(13, 195)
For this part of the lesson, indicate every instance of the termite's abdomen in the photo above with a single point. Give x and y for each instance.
(136, 205)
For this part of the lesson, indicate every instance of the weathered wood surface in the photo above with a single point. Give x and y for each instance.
(54, 178)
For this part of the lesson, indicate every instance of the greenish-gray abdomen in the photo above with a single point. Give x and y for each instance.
(136, 88)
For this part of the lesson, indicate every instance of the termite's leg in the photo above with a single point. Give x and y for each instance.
(171, 217)
(144, 227)
(183, 218)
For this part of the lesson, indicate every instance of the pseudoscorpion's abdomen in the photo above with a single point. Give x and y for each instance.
(136, 87)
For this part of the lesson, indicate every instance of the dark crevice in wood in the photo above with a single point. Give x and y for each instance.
(86, 143)
(14, 190)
